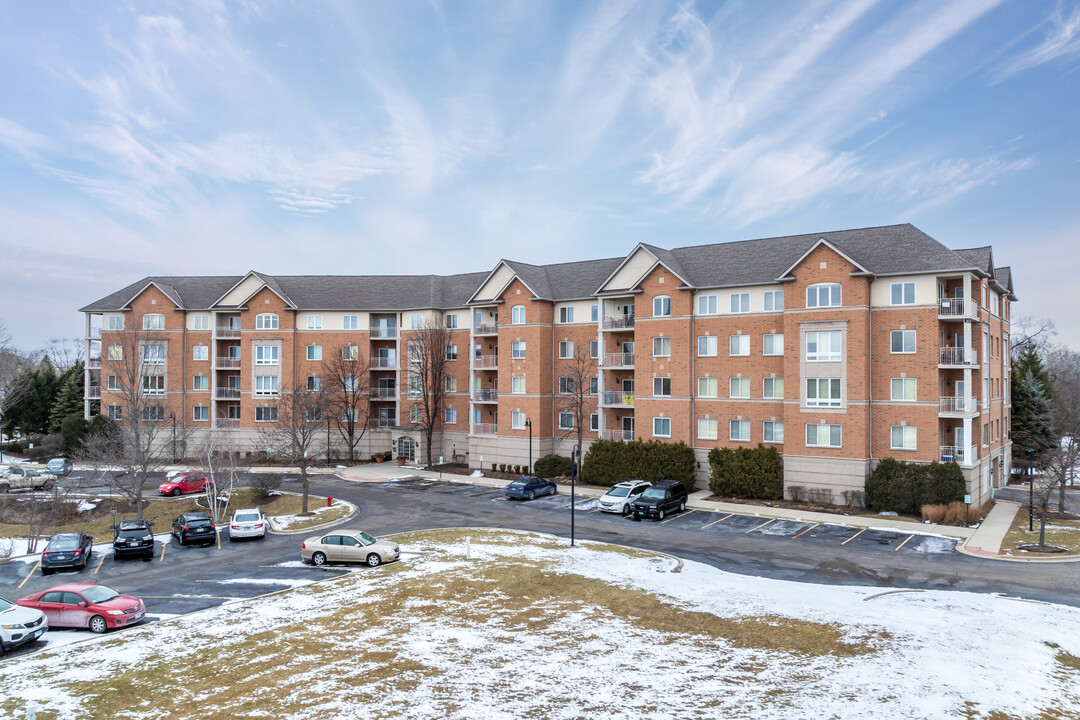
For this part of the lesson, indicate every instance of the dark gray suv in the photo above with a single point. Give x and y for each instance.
(659, 501)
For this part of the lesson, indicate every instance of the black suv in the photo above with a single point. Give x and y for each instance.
(662, 498)
(195, 526)
(133, 537)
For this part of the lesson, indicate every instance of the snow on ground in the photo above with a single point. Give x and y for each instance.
(937, 654)
(284, 522)
(288, 582)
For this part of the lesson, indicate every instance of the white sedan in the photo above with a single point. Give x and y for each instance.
(247, 523)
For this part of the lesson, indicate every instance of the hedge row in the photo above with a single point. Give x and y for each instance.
(756, 473)
(905, 487)
(552, 466)
(609, 462)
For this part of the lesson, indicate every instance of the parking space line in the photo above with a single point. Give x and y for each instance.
(683, 514)
(582, 502)
(759, 526)
(190, 597)
(100, 563)
(806, 530)
(218, 541)
(853, 536)
(163, 544)
(903, 543)
(717, 521)
(30, 573)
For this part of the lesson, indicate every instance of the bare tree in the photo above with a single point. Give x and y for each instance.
(293, 431)
(43, 509)
(1028, 330)
(1057, 466)
(427, 351)
(145, 433)
(222, 465)
(12, 362)
(1063, 365)
(575, 391)
(347, 384)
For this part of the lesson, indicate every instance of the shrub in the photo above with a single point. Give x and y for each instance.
(11, 447)
(45, 446)
(609, 462)
(263, 485)
(552, 466)
(854, 498)
(73, 429)
(756, 473)
(933, 513)
(796, 492)
(905, 487)
(822, 496)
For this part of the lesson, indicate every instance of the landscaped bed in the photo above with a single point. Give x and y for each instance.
(530, 628)
(1062, 531)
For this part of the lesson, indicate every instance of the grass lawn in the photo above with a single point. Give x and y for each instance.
(1059, 531)
(530, 628)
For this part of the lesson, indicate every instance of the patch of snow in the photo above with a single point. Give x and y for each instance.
(287, 582)
(87, 505)
(477, 473)
(284, 522)
(935, 545)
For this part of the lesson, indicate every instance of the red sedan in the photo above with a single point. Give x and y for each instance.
(182, 484)
(86, 605)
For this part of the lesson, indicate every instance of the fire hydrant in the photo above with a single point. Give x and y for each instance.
(329, 500)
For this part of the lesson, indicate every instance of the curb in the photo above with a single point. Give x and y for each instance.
(329, 523)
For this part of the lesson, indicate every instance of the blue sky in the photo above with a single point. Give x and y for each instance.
(437, 137)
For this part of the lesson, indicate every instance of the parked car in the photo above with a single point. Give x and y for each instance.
(195, 526)
(182, 484)
(20, 478)
(247, 523)
(67, 550)
(348, 546)
(527, 487)
(86, 605)
(665, 497)
(59, 467)
(19, 625)
(619, 498)
(133, 537)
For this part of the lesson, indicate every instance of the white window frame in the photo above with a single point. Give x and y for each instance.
(776, 391)
(273, 381)
(517, 385)
(153, 321)
(153, 384)
(313, 382)
(769, 432)
(909, 437)
(708, 429)
(899, 293)
(739, 385)
(195, 413)
(566, 349)
(517, 350)
(738, 435)
(153, 354)
(450, 416)
(116, 322)
(832, 293)
(594, 313)
(200, 322)
(829, 401)
(350, 353)
(659, 385)
(266, 321)
(905, 348)
(112, 382)
(268, 412)
(707, 345)
(661, 306)
(819, 355)
(314, 322)
(350, 322)
(829, 429)
(314, 352)
(517, 420)
(451, 321)
(738, 345)
(200, 353)
(904, 383)
(566, 314)
(773, 300)
(708, 387)
(517, 315)
(740, 303)
(115, 352)
(566, 385)
(566, 421)
(776, 341)
(195, 382)
(706, 305)
(594, 422)
(661, 427)
(266, 355)
(594, 349)
(665, 346)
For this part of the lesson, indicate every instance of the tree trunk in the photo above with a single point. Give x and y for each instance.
(304, 484)
(1042, 525)
(138, 497)
(429, 433)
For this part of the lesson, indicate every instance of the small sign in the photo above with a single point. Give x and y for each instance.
(967, 499)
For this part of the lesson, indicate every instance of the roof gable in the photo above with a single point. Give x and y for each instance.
(815, 246)
(494, 284)
(248, 286)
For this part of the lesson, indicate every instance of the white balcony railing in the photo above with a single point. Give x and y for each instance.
(617, 435)
(956, 405)
(384, 363)
(224, 332)
(618, 323)
(486, 329)
(228, 393)
(93, 391)
(617, 397)
(93, 363)
(227, 363)
(956, 309)
(485, 395)
(382, 333)
(386, 422)
(226, 422)
(485, 362)
(618, 360)
(959, 356)
(485, 429)
(956, 453)
(383, 393)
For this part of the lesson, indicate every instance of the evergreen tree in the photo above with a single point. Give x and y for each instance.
(30, 399)
(69, 400)
(1032, 417)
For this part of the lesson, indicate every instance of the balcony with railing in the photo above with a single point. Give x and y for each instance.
(617, 435)
(486, 329)
(93, 363)
(95, 332)
(384, 393)
(385, 422)
(384, 362)
(624, 322)
(956, 453)
(380, 332)
(93, 391)
(485, 395)
(225, 423)
(227, 363)
(957, 309)
(951, 406)
(957, 357)
(485, 362)
(227, 393)
(485, 429)
(617, 398)
(613, 361)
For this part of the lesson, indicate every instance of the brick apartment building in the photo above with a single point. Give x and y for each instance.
(838, 348)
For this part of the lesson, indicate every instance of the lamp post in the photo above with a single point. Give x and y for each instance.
(573, 477)
(1031, 487)
(528, 424)
(327, 439)
(172, 416)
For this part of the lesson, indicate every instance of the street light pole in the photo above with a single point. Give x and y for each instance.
(327, 439)
(573, 476)
(172, 415)
(528, 424)
(1031, 487)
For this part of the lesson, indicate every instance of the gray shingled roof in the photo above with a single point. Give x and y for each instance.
(980, 257)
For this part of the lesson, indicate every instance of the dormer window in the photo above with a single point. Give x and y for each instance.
(661, 306)
(266, 321)
(824, 295)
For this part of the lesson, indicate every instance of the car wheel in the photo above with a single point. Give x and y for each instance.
(175, 492)
(682, 506)
(46, 571)
(98, 624)
(374, 560)
(318, 558)
(554, 490)
(625, 509)
(231, 538)
(660, 515)
(181, 538)
(532, 495)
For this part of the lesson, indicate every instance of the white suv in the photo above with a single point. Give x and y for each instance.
(619, 498)
(19, 625)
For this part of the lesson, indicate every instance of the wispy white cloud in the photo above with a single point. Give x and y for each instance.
(1062, 41)
(21, 140)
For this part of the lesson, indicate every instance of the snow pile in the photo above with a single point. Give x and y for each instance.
(284, 522)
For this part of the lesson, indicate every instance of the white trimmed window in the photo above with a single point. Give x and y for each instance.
(517, 350)
(350, 383)
(594, 386)
(566, 421)
(415, 414)
(517, 420)
(739, 430)
(352, 352)
(314, 352)
(517, 315)
(266, 354)
(450, 416)
(266, 414)
(594, 313)
(823, 435)
(266, 384)
(566, 385)
(153, 321)
(707, 429)
(903, 389)
(450, 383)
(116, 322)
(902, 342)
(594, 422)
(314, 382)
(825, 295)
(451, 321)
(112, 383)
(416, 321)
(823, 346)
(153, 413)
(200, 322)
(902, 437)
(566, 314)
(707, 387)
(740, 302)
(116, 352)
(116, 412)
(772, 344)
(267, 321)
(738, 345)
(661, 387)
(772, 388)
(903, 293)
(739, 387)
(200, 352)
(706, 305)
(774, 300)
(451, 352)
(350, 322)
(661, 427)
(314, 322)
(772, 431)
(200, 382)
(200, 413)
(661, 347)
(153, 354)
(706, 346)
(566, 349)
(661, 306)
(153, 384)
(416, 386)
(517, 384)
(594, 349)
(823, 392)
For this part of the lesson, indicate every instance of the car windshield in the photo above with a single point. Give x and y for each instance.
(365, 538)
(56, 463)
(64, 542)
(518, 484)
(133, 532)
(618, 491)
(99, 594)
(198, 522)
(5, 605)
(653, 493)
(246, 516)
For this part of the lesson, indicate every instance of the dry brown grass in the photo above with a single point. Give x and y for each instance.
(1059, 532)
(956, 513)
